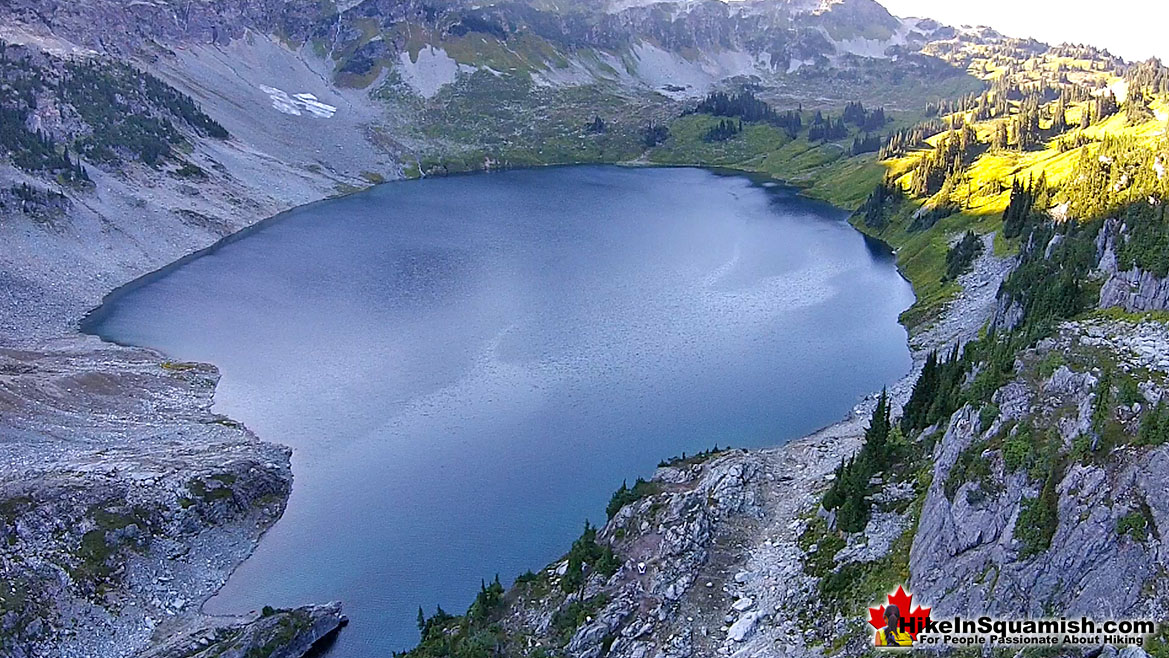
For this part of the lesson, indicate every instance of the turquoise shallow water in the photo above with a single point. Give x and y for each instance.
(466, 368)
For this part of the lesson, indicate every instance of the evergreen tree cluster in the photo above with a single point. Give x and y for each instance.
(1136, 107)
(722, 131)
(1039, 517)
(743, 105)
(587, 556)
(25, 197)
(866, 120)
(945, 164)
(1027, 207)
(21, 80)
(36, 151)
(627, 496)
(1082, 51)
(848, 494)
(961, 255)
(597, 126)
(826, 129)
(880, 202)
(1059, 116)
(937, 393)
(691, 460)
(103, 98)
(748, 108)
(903, 141)
(470, 636)
(1113, 176)
(1073, 142)
(989, 104)
(1155, 426)
(1038, 103)
(486, 602)
(1146, 243)
(1150, 76)
(1025, 127)
(1099, 109)
(1050, 283)
(124, 113)
(654, 134)
(865, 144)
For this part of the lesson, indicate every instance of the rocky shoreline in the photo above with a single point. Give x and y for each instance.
(732, 554)
(713, 565)
(127, 502)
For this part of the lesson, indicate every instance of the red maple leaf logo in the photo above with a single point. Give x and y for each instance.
(913, 622)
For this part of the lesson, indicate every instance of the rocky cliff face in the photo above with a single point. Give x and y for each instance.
(125, 501)
(667, 47)
(113, 26)
(977, 548)
(1134, 290)
(131, 28)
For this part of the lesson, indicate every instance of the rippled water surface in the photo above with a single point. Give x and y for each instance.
(467, 367)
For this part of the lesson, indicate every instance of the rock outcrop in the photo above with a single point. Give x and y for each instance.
(126, 502)
(976, 550)
(273, 634)
(1133, 290)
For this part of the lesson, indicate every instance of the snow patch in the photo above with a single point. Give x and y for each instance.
(876, 48)
(575, 74)
(861, 47)
(664, 70)
(1119, 91)
(298, 104)
(433, 70)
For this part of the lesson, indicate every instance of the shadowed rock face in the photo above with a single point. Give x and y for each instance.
(274, 633)
(1134, 290)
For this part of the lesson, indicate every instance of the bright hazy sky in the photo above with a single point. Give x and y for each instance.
(1133, 29)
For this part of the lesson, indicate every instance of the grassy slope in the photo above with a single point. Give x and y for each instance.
(921, 255)
(825, 171)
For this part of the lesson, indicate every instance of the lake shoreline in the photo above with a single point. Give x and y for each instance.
(109, 359)
(843, 256)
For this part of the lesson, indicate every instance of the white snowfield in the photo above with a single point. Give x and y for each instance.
(432, 70)
(298, 104)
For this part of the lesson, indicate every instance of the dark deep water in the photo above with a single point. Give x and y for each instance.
(467, 367)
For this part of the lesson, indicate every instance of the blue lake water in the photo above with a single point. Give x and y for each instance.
(467, 367)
